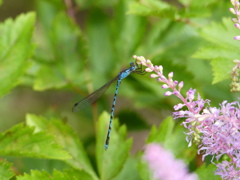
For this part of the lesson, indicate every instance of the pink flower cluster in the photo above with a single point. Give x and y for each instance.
(235, 10)
(164, 166)
(215, 130)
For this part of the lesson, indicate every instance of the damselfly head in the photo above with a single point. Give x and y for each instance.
(132, 64)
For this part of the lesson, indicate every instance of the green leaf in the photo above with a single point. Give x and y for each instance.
(5, 170)
(129, 31)
(98, 30)
(221, 34)
(64, 64)
(21, 140)
(222, 49)
(48, 77)
(221, 69)
(40, 175)
(130, 170)
(212, 52)
(221, 59)
(143, 168)
(65, 136)
(47, 11)
(152, 8)
(207, 172)
(111, 161)
(162, 134)
(169, 10)
(192, 9)
(15, 50)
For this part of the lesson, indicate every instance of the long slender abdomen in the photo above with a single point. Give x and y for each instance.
(112, 114)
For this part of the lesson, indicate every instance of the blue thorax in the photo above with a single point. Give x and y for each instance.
(128, 71)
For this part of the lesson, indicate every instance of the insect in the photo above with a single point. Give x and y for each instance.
(91, 98)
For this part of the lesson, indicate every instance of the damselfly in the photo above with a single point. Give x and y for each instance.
(135, 68)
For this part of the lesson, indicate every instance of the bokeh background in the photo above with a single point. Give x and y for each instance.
(81, 45)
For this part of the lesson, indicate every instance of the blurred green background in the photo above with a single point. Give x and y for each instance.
(82, 44)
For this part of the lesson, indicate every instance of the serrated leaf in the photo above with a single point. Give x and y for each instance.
(211, 52)
(80, 174)
(5, 170)
(192, 9)
(152, 8)
(15, 49)
(40, 175)
(21, 140)
(162, 134)
(67, 57)
(221, 34)
(48, 77)
(221, 69)
(111, 161)
(222, 50)
(65, 136)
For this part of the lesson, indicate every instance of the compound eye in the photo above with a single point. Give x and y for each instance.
(132, 64)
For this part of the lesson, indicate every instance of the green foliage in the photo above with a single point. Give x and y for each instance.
(117, 152)
(64, 60)
(21, 140)
(5, 170)
(66, 138)
(57, 175)
(71, 50)
(184, 9)
(206, 172)
(153, 8)
(172, 138)
(15, 50)
(221, 49)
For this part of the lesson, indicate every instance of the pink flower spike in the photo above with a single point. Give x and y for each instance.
(236, 4)
(164, 166)
(148, 70)
(180, 85)
(175, 83)
(162, 79)
(165, 86)
(190, 94)
(237, 38)
(168, 93)
(178, 106)
(149, 63)
(176, 93)
(236, 61)
(234, 20)
(233, 2)
(160, 68)
(232, 10)
(153, 75)
(170, 75)
(237, 25)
